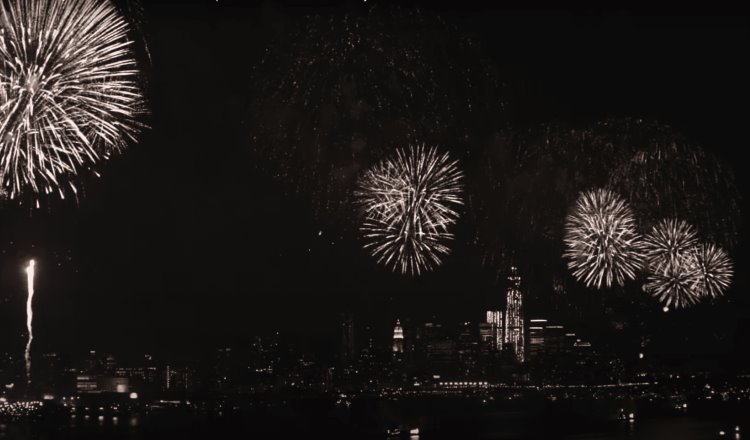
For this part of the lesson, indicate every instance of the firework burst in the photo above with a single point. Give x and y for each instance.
(602, 245)
(670, 239)
(673, 281)
(714, 270)
(408, 204)
(680, 270)
(69, 95)
(671, 263)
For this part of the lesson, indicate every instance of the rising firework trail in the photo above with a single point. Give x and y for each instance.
(30, 272)
(69, 92)
(408, 203)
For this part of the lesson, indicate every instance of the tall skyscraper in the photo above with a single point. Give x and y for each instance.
(491, 334)
(347, 339)
(94, 363)
(151, 373)
(398, 338)
(537, 335)
(554, 340)
(110, 364)
(367, 351)
(467, 349)
(514, 328)
(439, 349)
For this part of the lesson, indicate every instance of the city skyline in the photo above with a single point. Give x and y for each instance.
(235, 238)
(506, 331)
(227, 204)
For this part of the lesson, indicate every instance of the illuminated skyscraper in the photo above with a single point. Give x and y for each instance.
(513, 329)
(537, 335)
(347, 339)
(554, 340)
(398, 338)
(491, 334)
(467, 349)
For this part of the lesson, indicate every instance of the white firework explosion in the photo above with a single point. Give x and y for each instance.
(69, 95)
(714, 270)
(602, 244)
(673, 281)
(671, 263)
(409, 203)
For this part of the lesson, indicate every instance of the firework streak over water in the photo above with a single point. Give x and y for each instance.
(409, 203)
(68, 88)
(30, 273)
(602, 245)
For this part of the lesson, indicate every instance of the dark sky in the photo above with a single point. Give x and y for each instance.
(181, 244)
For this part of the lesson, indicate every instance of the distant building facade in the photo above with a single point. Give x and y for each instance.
(513, 330)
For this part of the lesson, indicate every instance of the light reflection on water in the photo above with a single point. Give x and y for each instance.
(148, 427)
(667, 428)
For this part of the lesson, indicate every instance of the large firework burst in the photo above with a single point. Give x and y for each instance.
(680, 270)
(673, 280)
(714, 270)
(69, 95)
(602, 244)
(670, 239)
(671, 263)
(409, 203)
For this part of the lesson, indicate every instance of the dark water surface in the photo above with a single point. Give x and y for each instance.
(435, 419)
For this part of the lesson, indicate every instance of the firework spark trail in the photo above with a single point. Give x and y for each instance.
(408, 203)
(669, 176)
(30, 272)
(336, 95)
(69, 95)
(602, 244)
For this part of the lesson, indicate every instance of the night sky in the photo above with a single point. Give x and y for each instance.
(182, 243)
